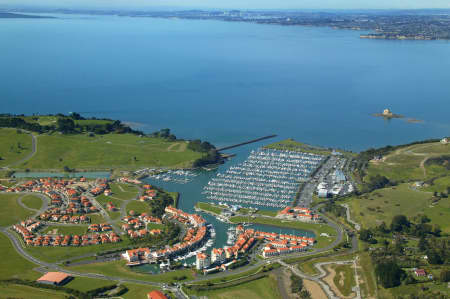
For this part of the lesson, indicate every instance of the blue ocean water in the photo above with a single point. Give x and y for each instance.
(227, 82)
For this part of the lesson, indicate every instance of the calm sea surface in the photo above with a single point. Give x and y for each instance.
(227, 82)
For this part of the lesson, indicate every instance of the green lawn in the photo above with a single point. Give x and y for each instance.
(404, 164)
(55, 254)
(367, 270)
(124, 191)
(119, 269)
(344, 279)
(209, 207)
(138, 207)
(263, 288)
(13, 146)
(439, 185)
(381, 205)
(104, 200)
(32, 201)
(420, 290)
(106, 152)
(292, 145)
(22, 291)
(13, 265)
(316, 228)
(11, 212)
(175, 196)
(137, 291)
(85, 284)
(65, 230)
(97, 218)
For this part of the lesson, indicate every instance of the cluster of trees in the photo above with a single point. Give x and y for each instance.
(8, 121)
(376, 182)
(66, 125)
(298, 288)
(159, 203)
(199, 146)
(331, 207)
(212, 157)
(389, 274)
(164, 133)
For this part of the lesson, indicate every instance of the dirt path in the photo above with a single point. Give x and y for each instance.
(283, 282)
(181, 147)
(314, 289)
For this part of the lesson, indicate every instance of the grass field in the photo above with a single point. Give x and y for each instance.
(12, 265)
(292, 145)
(97, 218)
(138, 207)
(13, 146)
(137, 291)
(32, 201)
(369, 286)
(65, 230)
(119, 269)
(344, 279)
(381, 205)
(85, 284)
(209, 207)
(55, 254)
(421, 290)
(124, 191)
(263, 288)
(316, 228)
(22, 291)
(439, 185)
(11, 212)
(106, 152)
(405, 164)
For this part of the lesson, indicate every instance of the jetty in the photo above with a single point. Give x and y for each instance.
(247, 142)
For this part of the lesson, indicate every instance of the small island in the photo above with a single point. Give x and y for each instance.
(387, 114)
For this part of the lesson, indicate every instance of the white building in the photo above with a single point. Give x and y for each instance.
(202, 261)
(218, 255)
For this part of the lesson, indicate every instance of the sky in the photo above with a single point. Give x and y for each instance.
(237, 4)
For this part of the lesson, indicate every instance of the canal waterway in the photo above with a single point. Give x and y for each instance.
(190, 194)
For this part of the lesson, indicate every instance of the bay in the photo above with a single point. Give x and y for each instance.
(226, 81)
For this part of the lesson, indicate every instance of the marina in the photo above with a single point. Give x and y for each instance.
(268, 178)
(177, 176)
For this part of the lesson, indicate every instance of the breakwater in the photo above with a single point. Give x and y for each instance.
(247, 142)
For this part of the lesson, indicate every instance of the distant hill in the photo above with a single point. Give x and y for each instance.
(9, 15)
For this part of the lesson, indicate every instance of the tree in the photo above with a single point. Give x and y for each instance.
(399, 222)
(423, 244)
(434, 258)
(389, 274)
(65, 125)
(304, 294)
(445, 275)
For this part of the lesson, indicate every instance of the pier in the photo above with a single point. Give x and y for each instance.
(247, 142)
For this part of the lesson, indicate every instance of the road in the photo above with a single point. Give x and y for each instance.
(318, 278)
(349, 219)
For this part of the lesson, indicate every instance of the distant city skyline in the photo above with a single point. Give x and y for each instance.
(234, 4)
